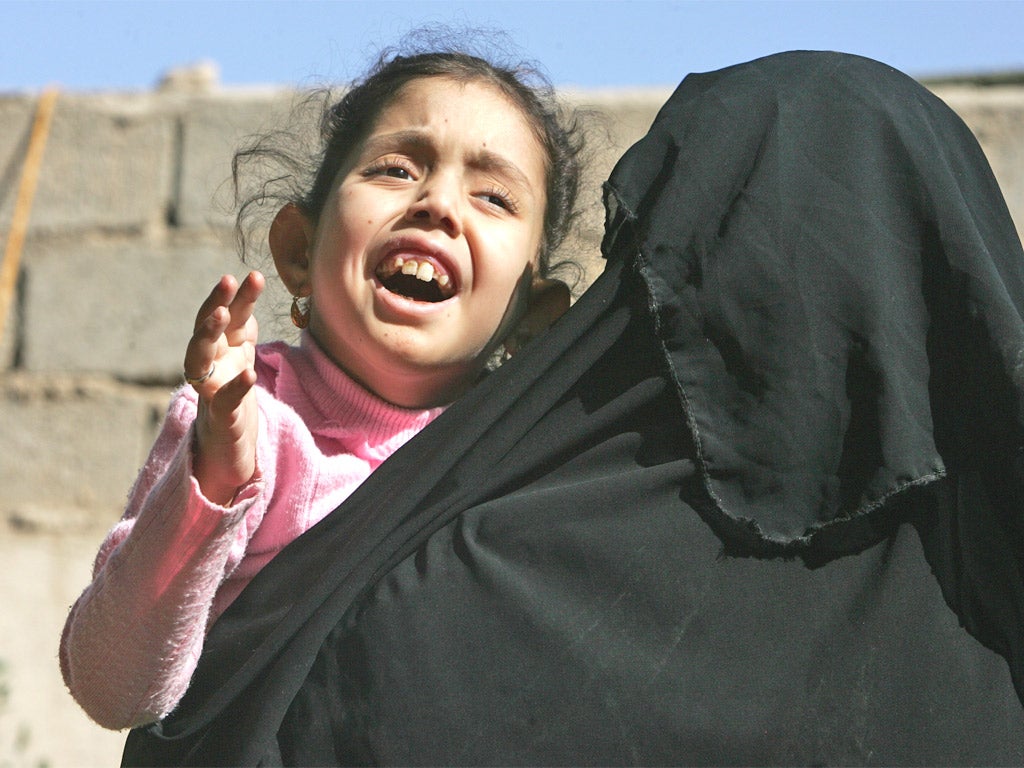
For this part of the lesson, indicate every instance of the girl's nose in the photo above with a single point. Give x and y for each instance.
(438, 204)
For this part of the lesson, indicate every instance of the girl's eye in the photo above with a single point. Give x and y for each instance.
(392, 168)
(499, 199)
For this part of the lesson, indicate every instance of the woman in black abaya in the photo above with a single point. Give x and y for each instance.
(738, 507)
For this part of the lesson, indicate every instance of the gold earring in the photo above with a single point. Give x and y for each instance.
(300, 316)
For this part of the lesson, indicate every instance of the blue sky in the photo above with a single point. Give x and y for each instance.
(127, 45)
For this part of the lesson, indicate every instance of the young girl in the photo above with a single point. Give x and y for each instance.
(422, 244)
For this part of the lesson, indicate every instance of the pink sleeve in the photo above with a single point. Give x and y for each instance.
(132, 640)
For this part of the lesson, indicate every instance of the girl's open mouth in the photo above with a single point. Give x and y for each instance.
(418, 278)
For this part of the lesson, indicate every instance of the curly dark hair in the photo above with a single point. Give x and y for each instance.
(307, 179)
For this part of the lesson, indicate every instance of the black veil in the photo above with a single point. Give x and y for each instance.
(720, 514)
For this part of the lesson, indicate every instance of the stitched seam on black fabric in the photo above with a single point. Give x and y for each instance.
(733, 521)
(643, 270)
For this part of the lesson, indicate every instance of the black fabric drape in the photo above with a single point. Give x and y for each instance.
(720, 514)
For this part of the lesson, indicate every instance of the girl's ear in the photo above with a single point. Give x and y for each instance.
(548, 301)
(291, 236)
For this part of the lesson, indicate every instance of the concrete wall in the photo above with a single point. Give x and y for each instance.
(129, 230)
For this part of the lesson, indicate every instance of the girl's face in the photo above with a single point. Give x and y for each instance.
(424, 254)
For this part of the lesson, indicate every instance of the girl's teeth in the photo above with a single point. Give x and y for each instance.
(425, 272)
(422, 270)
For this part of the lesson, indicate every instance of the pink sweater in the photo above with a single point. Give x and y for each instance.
(175, 561)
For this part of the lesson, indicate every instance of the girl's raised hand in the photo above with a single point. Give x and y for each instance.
(219, 364)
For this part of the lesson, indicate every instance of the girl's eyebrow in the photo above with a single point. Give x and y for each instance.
(493, 162)
(410, 137)
(415, 138)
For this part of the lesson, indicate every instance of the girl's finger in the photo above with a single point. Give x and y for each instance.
(242, 306)
(229, 396)
(221, 296)
(202, 350)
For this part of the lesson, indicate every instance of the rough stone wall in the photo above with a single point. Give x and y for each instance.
(130, 228)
